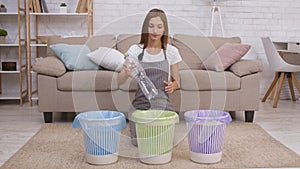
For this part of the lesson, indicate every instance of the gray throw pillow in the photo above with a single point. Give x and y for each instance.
(245, 67)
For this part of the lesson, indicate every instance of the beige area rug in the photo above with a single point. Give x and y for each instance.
(246, 145)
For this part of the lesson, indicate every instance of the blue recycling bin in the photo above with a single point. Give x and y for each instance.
(101, 134)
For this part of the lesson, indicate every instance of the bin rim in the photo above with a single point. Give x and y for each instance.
(169, 119)
(104, 119)
(82, 116)
(225, 117)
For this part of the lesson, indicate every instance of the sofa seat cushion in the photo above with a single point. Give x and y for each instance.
(88, 81)
(205, 80)
(130, 85)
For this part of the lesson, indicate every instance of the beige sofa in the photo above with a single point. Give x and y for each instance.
(235, 89)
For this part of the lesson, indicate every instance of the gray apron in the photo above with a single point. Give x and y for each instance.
(157, 73)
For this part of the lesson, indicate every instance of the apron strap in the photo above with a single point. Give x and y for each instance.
(141, 55)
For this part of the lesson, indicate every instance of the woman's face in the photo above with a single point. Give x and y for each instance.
(156, 28)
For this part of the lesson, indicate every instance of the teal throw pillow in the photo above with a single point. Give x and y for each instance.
(74, 56)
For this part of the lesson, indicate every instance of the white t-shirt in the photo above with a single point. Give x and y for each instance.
(172, 54)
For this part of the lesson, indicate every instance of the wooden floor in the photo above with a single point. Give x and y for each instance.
(19, 124)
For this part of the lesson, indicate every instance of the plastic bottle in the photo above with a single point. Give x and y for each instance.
(139, 74)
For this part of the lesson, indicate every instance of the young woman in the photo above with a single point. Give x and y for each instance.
(160, 62)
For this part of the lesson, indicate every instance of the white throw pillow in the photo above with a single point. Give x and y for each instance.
(108, 58)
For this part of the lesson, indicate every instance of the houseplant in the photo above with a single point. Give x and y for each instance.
(63, 8)
(3, 8)
(3, 34)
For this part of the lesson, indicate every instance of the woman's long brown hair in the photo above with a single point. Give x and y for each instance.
(144, 35)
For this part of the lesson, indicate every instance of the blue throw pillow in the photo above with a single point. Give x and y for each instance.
(74, 56)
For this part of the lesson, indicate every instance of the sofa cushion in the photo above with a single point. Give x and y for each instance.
(88, 81)
(129, 85)
(93, 42)
(74, 56)
(44, 39)
(124, 41)
(56, 40)
(101, 41)
(50, 66)
(245, 67)
(224, 56)
(195, 49)
(201, 80)
(108, 58)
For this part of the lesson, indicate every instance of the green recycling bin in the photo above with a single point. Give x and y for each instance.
(155, 133)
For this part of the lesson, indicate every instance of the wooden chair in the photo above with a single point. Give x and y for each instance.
(282, 69)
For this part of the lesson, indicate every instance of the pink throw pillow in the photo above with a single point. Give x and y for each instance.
(225, 56)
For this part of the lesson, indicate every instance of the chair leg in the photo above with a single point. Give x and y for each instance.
(274, 88)
(272, 93)
(289, 77)
(295, 82)
(271, 87)
(282, 74)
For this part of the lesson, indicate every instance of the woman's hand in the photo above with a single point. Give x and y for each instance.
(169, 87)
(125, 73)
(131, 67)
(128, 66)
(127, 70)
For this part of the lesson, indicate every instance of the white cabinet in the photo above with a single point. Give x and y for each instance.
(13, 67)
(294, 47)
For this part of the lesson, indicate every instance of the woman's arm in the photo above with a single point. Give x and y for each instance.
(174, 83)
(175, 75)
(126, 71)
(122, 76)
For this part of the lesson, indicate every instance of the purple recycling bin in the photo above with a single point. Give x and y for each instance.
(205, 134)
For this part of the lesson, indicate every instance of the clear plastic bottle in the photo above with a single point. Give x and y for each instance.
(139, 74)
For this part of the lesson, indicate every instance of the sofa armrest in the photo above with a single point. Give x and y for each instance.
(245, 67)
(50, 66)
